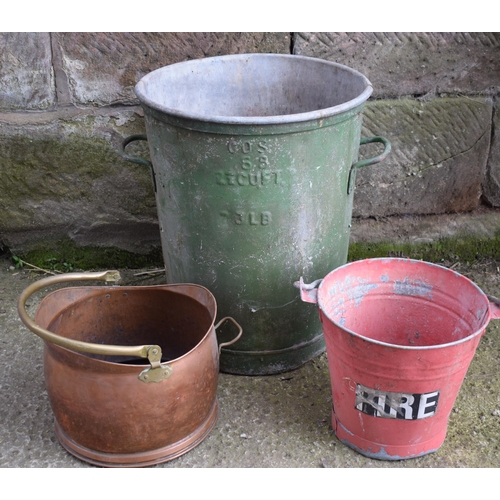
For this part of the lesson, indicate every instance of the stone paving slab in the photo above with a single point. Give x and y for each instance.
(481, 224)
(274, 421)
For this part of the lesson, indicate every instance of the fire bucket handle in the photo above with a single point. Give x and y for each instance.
(231, 342)
(494, 306)
(153, 353)
(308, 291)
(369, 161)
(135, 159)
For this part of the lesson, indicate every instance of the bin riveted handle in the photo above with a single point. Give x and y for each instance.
(369, 161)
(155, 373)
(231, 342)
(308, 291)
(135, 159)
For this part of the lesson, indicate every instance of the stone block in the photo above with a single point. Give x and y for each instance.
(64, 178)
(491, 187)
(103, 68)
(26, 77)
(482, 224)
(438, 158)
(411, 64)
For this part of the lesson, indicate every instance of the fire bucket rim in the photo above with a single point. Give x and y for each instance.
(484, 321)
(318, 114)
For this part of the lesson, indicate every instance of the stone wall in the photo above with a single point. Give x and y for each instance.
(67, 102)
(434, 99)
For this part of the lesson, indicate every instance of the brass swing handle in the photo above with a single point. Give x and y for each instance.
(151, 352)
(156, 373)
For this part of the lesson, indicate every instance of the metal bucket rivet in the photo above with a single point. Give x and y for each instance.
(400, 335)
(254, 159)
(147, 400)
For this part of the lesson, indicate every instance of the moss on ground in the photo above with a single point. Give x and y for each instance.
(66, 256)
(466, 249)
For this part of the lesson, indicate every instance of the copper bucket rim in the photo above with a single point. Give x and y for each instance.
(152, 353)
(103, 290)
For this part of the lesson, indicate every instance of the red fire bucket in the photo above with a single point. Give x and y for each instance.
(400, 335)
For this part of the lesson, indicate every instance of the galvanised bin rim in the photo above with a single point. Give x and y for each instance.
(154, 77)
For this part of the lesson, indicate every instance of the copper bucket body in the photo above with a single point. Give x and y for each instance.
(106, 411)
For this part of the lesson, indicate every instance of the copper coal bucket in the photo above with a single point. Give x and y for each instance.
(131, 371)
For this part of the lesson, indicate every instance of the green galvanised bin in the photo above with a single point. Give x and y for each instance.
(253, 159)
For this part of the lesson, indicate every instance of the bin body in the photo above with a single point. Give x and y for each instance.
(251, 156)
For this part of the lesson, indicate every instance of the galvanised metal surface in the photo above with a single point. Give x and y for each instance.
(254, 159)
